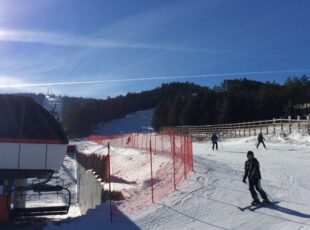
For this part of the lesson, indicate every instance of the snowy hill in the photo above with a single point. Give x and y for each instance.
(210, 197)
(135, 122)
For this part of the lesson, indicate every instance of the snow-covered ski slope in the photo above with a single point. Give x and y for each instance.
(136, 122)
(210, 197)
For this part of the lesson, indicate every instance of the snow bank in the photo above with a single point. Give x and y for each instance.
(88, 147)
(300, 137)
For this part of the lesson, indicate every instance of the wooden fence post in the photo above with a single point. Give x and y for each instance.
(281, 127)
(289, 124)
(308, 123)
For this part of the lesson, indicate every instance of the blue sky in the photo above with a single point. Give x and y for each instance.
(63, 41)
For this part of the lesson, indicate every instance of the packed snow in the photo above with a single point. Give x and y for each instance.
(211, 195)
(136, 122)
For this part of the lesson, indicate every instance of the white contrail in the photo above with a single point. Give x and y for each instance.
(23, 85)
(87, 42)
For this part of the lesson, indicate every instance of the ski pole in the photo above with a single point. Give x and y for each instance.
(269, 196)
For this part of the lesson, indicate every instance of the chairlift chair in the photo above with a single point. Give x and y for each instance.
(40, 189)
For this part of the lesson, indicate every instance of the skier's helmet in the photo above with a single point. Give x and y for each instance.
(250, 153)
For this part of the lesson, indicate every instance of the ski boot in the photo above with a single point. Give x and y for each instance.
(255, 202)
(266, 201)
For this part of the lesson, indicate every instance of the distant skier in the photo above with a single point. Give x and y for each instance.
(214, 139)
(128, 140)
(252, 172)
(260, 139)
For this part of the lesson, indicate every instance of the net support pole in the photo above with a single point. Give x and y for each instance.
(151, 164)
(191, 152)
(184, 148)
(173, 155)
(308, 123)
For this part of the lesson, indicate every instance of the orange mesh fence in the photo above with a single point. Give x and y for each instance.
(144, 167)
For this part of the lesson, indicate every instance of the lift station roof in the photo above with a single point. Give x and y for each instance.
(23, 120)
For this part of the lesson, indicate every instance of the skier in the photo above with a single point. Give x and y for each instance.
(128, 140)
(214, 140)
(260, 140)
(253, 173)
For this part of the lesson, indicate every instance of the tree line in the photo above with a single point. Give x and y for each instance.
(81, 116)
(188, 104)
(233, 101)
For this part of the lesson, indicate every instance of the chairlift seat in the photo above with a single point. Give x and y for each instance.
(39, 211)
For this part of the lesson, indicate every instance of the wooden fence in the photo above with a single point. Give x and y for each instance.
(247, 128)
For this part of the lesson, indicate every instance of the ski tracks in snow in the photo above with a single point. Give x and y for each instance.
(209, 198)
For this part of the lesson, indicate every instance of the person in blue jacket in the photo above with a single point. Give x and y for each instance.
(214, 139)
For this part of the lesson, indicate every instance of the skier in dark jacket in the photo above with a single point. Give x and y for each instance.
(260, 140)
(252, 172)
(214, 140)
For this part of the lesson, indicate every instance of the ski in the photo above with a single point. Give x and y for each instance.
(253, 207)
(246, 207)
(263, 204)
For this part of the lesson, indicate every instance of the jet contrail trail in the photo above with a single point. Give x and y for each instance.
(24, 85)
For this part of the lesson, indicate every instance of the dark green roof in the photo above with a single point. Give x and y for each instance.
(22, 118)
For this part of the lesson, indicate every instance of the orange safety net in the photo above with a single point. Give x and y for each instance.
(144, 167)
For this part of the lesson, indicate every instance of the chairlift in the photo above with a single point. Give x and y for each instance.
(32, 145)
(38, 190)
